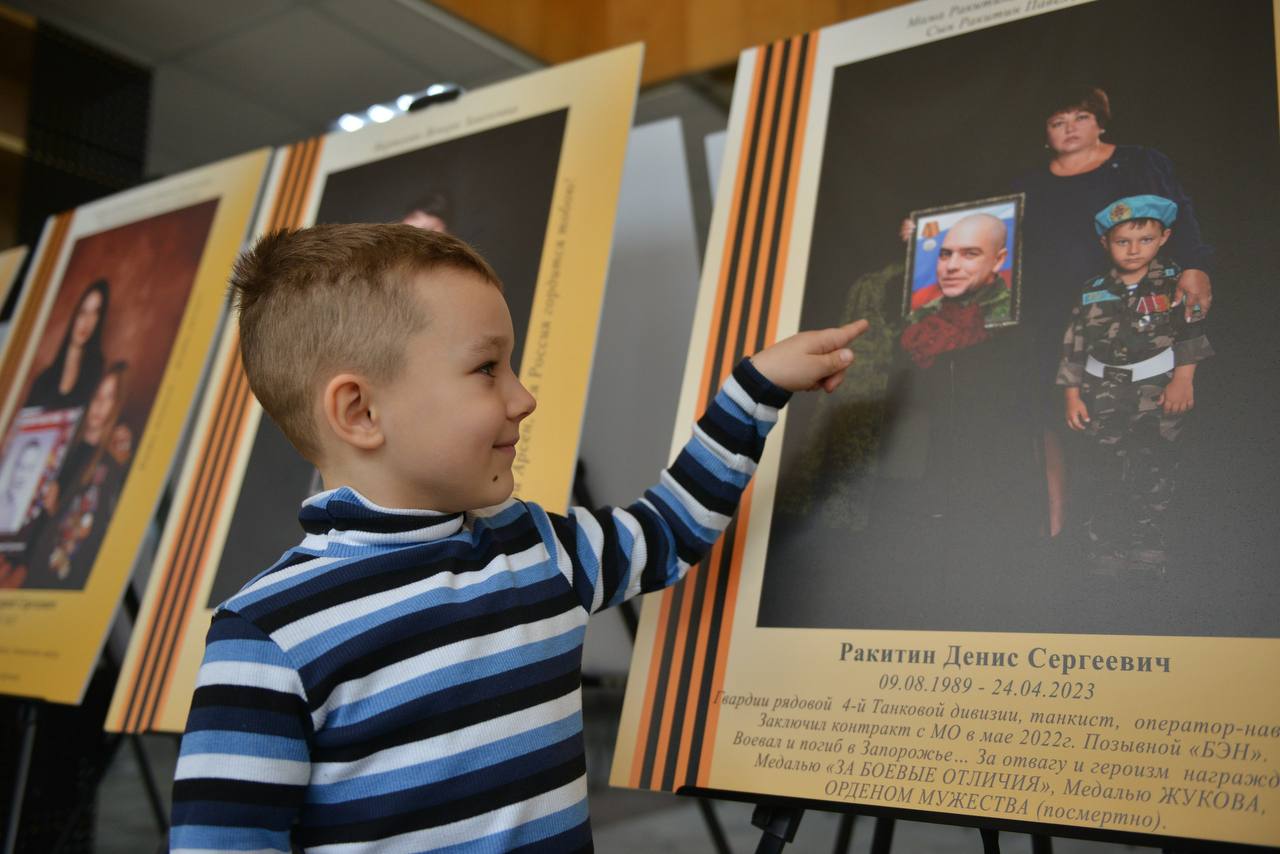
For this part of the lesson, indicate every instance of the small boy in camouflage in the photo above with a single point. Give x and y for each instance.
(1128, 365)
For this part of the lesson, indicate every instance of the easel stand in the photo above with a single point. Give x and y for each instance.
(27, 717)
(779, 823)
(29, 713)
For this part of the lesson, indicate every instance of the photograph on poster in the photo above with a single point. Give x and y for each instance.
(470, 187)
(31, 457)
(962, 261)
(102, 355)
(944, 469)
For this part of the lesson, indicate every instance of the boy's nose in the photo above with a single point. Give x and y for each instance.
(522, 403)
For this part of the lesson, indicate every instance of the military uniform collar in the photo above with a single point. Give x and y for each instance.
(1157, 272)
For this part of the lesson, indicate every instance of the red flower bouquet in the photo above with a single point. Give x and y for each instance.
(951, 327)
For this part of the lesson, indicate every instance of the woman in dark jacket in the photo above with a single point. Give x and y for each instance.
(1085, 173)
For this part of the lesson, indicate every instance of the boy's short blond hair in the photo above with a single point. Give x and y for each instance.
(316, 301)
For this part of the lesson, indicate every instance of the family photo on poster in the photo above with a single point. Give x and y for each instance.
(94, 379)
(1039, 435)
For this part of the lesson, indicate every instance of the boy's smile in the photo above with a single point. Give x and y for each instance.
(452, 416)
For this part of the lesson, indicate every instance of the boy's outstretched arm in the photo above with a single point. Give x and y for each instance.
(612, 554)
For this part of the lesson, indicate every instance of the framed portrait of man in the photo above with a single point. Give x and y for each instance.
(966, 256)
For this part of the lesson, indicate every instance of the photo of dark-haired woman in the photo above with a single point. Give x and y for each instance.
(74, 373)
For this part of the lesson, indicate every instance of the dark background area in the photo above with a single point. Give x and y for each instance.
(960, 119)
(499, 183)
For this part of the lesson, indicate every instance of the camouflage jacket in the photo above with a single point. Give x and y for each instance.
(1118, 326)
(995, 299)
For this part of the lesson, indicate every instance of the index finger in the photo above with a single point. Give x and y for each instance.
(840, 336)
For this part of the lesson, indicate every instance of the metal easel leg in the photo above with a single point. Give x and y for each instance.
(149, 785)
(882, 839)
(712, 821)
(990, 841)
(779, 824)
(1041, 843)
(28, 721)
(844, 833)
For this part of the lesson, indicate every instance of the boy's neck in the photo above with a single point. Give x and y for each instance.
(379, 487)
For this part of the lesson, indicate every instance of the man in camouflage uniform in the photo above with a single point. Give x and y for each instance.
(1127, 369)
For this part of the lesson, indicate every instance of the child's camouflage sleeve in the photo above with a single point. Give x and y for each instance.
(1071, 368)
(245, 759)
(613, 554)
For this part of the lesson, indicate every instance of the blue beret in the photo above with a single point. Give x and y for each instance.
(1135, 207)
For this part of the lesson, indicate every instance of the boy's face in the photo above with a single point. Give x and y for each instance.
(452, 416)
(1132, 246)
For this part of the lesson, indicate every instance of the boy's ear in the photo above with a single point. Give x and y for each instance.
(348, 410)
(1164, 238)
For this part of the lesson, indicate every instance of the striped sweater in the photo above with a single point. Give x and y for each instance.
(409, 681)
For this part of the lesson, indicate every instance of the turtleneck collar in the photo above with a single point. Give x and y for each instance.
(343, 509)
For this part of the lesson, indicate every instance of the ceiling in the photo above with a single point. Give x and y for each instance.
(237, 74)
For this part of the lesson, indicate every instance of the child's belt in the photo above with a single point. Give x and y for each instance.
(1160, 363)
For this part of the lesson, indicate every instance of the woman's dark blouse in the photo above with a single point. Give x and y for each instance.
(45, 392)
(1060, 247)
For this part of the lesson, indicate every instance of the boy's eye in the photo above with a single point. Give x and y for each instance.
(488, 368)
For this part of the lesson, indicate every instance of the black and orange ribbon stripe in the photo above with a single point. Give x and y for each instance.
(188, 557)
(686, 668)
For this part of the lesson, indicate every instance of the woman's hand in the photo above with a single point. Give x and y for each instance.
(810, 360)
(1077, 412)
(1195, 292)
(904, 230)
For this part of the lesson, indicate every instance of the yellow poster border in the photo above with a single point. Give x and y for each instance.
(51, 640)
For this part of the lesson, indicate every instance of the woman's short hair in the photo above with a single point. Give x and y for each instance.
(1077, 96)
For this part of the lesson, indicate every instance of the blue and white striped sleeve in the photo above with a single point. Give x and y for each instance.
(245, 759)
(612, 554)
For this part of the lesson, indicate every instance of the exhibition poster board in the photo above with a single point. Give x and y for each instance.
(105, 354)
(10, 264)
(886, 625)
(527, 171)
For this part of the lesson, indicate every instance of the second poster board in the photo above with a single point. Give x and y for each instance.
(527, 171)
(882, 627)
(109, 341)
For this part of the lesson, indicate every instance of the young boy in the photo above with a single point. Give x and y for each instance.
(407, 677)
(1128, 364)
